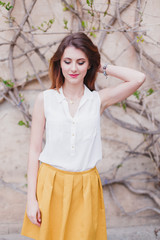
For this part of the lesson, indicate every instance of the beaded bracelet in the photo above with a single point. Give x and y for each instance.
(104, 70)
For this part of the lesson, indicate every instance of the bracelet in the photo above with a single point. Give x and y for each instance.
(104, 70)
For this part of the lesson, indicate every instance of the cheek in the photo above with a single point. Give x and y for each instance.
(64, 68)
(84, 70)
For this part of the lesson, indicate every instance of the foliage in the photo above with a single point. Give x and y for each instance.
(8, 83)
(140, 39)
(137, 94)
(45, 25)
(65, 23)
(21, 123)
(7, 6)
(97, 23)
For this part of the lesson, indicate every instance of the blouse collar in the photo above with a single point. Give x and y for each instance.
(87, 94)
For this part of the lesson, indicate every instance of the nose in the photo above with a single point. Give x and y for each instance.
(73, 67)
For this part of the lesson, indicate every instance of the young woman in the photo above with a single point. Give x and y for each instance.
(65, 197)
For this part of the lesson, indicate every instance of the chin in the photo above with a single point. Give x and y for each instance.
(73, 81)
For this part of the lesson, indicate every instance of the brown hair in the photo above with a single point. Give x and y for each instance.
(80, 41)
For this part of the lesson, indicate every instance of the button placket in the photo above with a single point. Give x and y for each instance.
(73, 128)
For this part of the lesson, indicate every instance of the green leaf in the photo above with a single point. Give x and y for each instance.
(105, 13)
(91, 13)
(21, 96)
(89, 3)
(51, 21)
(8, 83)
(83, 24)
(124, 106)
(140, 39)
(120, 165)
(137, 94)
(2, 4)
(71, 6)
(21, 123)
(8, 6)
(65, 9)
(150, 91)
(44, 26)
(65, 23)
(25, 175)
(93, 34)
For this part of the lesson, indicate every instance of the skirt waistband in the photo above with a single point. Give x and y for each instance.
(68, 172)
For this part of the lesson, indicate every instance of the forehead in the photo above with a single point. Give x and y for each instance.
(73, 53)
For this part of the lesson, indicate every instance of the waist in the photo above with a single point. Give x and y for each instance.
(69, 172)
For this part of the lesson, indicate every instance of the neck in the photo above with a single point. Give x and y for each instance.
(73, 91)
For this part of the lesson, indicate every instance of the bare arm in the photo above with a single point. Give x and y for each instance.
(132, 80)
(37, 129)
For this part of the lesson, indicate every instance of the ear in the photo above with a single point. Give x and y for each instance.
(89, 67)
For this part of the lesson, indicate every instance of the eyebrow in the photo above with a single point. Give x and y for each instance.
(76, 59)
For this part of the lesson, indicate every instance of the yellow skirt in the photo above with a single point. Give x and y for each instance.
(71, 205)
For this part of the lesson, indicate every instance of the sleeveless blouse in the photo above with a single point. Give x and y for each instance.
(72, 143)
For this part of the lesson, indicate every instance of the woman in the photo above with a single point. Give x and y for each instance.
(65, 198)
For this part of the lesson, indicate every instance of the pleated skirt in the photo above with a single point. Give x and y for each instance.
(71, 205)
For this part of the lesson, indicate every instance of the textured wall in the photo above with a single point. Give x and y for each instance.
(14, 139)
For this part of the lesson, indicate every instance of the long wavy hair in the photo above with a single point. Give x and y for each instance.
(80, 41)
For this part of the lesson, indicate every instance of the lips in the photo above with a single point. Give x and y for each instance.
(73, 75)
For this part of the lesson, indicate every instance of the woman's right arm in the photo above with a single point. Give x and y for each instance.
(37, 130)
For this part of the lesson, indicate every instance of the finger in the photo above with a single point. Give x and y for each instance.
(39, 216)
(34, 221)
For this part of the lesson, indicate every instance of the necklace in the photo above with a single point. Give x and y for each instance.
(70, 101)
(74, 100)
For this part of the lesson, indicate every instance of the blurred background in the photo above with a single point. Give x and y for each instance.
(127, 33)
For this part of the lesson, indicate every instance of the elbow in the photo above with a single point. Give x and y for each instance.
(142, 79)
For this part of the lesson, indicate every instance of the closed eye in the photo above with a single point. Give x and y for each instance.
(67, 62)
(81, 63)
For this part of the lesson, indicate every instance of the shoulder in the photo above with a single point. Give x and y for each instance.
(39, 99)
(42, 94)
(49, 92)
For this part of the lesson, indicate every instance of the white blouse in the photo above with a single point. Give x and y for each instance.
(72, 143)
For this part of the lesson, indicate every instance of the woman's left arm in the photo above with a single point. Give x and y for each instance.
(131, 78)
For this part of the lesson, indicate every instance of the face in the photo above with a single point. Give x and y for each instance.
(74, 64)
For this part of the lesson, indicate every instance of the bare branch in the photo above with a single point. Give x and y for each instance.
(112, 21)
(129, 126)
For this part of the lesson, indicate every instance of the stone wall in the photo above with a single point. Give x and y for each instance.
(14, 139)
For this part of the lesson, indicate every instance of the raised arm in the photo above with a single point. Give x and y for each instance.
(37, 129)
(131, 78)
